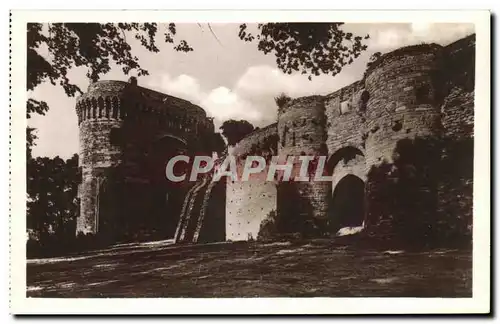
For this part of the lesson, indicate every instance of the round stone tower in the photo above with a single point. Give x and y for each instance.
(403, 102)
(127, 135)
(302, 131)
(100, 117)
(404, 98)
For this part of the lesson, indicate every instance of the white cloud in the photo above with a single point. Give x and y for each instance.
(183, 86)
(221, 103)
(267, 80)
(252, 96)
(392, 37)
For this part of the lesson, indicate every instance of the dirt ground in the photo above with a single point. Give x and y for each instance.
(249, 269)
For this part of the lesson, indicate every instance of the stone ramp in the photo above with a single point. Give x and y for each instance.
(190, 208)
(195, 210)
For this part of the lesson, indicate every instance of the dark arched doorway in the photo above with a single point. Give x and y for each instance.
(347, 204)
(165, 197)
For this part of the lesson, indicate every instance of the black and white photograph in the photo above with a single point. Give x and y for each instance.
(205, 159)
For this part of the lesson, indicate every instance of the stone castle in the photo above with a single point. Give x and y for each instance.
(128, 133)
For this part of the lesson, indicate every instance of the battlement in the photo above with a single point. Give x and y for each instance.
(117, 100)
(121, 89)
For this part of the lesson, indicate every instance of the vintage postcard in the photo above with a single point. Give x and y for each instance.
(250, 162)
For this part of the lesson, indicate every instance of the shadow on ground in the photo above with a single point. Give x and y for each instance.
(249, 269)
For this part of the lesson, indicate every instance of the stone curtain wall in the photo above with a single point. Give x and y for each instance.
(345, 112)
(457, 111)
(255, 141)
(248, 203)
(421, 91)
(457, 108)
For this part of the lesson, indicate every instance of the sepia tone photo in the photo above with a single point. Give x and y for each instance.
(250, 160)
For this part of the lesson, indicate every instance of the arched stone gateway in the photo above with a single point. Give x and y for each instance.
(127, 135)
(347, 207)
(166, 196)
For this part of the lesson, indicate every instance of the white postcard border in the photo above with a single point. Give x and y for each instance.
(479, 303)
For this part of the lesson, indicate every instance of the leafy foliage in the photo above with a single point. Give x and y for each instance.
(268, 227)
(30, 141)
(282, 100)
(413, 199)
(35, 106)
(209, 143)
(235, 130)
(52, 204)
(216, 143)
(91, 45)
(373, 58)
(311, 48)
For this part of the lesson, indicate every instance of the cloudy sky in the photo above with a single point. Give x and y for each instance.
(225, 76)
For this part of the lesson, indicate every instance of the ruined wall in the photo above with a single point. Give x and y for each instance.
(416, 91)
(249, 202)
(346, 125)
(457, 111)
(345, 112)
(421, 91)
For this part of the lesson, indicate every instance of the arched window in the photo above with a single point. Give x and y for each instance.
(100, 105)
(121, 109)
(82, 110)
(115, 107)
(363, 102)
(89, 108)
(283, 138)
(108, 107)
(94, 108)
